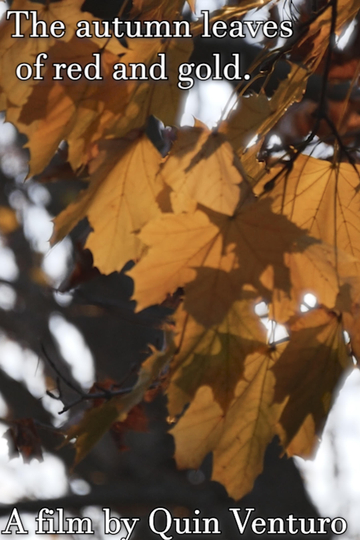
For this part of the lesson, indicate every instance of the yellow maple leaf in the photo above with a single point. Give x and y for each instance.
(120, 199)
(307, 374)
(246, 122)
(18, 50)
(203, 166)
(54, 109)
(257, 114)
(238, 438)
(213, 355)
(160, 99)
(322, 198)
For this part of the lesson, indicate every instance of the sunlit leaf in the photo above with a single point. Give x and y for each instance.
(237, 438)
(215, 354)
(120, 199)
(307, 374)
(201, 154)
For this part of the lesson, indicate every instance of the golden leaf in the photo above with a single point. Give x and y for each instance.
(322, 198)
(286, 391)
(160, 99)
(213, 355)
(18, 50)
(203, 166)
(238, 438)
(258, 114)
(54, 109)
(120, 199)
(306, 375)
(245, 123)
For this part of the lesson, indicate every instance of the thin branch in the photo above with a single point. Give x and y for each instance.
(60, 375)
(103, 393)
(340, 142)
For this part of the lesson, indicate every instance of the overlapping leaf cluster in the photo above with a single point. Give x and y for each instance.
(217, 224)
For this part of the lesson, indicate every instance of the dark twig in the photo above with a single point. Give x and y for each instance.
(340, 142)
(103, 393)
(60, 375)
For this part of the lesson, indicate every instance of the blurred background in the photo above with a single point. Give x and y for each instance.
(54, 329)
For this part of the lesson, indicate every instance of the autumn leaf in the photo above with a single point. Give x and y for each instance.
(307, 374)
(160, 99)
(312, 271)
(91, 428)
(55, 109)
(322, 198)
(253, 111)
(238, 438)
(257, 114)
(288, 391)
(213, 355)
(200, 153)
(136, 420)
(120, 199)
(24, 440)
(25, 49)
